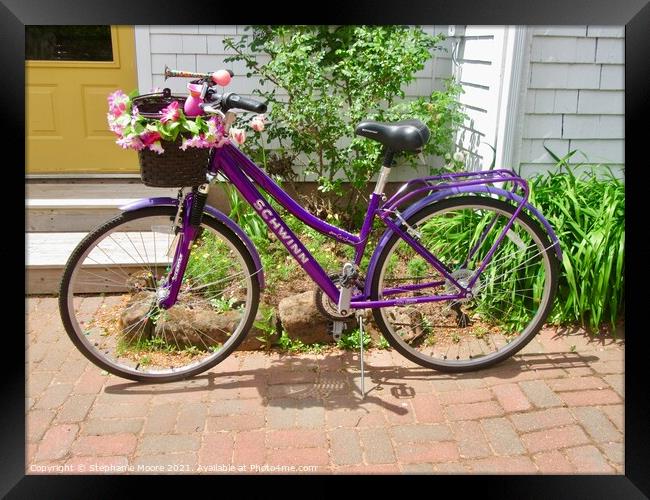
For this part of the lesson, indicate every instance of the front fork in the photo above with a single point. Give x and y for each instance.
(192, 213)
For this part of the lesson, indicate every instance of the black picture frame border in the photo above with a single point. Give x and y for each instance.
(634, 14)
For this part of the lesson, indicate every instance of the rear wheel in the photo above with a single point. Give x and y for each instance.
(110, 311)
(509, 302)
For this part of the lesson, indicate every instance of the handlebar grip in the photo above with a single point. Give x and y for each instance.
(232, 100)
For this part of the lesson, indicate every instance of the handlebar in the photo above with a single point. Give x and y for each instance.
(215, 77)
(224, 101)
(232, 100)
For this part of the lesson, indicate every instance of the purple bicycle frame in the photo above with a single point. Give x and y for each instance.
(246, 176)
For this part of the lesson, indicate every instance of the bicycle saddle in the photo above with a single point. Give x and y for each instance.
(406, 135)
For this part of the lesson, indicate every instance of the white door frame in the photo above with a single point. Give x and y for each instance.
(511, 98)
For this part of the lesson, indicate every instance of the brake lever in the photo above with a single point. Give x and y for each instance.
(208, 108)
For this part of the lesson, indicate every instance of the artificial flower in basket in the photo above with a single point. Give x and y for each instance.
(136, 131)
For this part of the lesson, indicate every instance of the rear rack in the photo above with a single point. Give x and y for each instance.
(456, 180)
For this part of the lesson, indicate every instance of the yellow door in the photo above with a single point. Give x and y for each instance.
(70, 70)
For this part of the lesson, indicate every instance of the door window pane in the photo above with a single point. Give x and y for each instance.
(68, 43)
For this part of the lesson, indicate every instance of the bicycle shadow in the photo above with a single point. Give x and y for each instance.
(333, 382)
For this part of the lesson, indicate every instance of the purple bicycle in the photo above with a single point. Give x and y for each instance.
(463, 276)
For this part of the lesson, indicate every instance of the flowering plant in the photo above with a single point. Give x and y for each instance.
(135, 131)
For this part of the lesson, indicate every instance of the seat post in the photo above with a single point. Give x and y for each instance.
(385, 171)
(388, 157)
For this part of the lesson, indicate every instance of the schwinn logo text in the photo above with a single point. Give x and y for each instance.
(280, 230)
(178, 266)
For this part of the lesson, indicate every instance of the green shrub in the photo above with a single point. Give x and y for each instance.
(588, 214)
(327, 80)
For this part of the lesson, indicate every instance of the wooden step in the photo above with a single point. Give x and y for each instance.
(47, 254)
(55, 207)
(82, 206)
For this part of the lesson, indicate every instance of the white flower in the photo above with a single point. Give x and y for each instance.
(459, 156)
(156, 147)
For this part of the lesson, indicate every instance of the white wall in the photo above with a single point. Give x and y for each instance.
(570, 86)
(200, 48)
(574, 96)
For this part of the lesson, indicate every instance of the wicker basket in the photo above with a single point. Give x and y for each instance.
(174, 167)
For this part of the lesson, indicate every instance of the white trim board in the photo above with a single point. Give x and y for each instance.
(143, 59)
(510, 96)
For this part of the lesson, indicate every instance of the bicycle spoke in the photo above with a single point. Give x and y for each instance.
(505, 296)
(134, 336)
(130, 256)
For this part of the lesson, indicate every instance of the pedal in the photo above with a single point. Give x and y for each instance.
(337, 330)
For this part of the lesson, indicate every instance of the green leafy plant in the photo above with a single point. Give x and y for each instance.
(267, 326)
(210, 261)
(290, 345)
(242, 213)
(350, 340)
(588, 213)
(327, 79)
(383, 343)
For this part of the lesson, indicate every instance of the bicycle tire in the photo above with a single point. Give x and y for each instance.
(96, 235)
(530, 331)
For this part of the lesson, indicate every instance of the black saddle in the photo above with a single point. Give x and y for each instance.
(407, 135)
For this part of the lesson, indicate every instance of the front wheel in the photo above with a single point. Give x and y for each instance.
(510, 300)
(108, 297)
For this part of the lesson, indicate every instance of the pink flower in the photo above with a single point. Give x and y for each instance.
(197, 141)
(117, 103)
(215, 131)
(117, 97)
(257, 123)
(156, 147)
(238, 135)
(171, 113)
(214, 126)
(130, 142)
(148, 137)
(113, 126)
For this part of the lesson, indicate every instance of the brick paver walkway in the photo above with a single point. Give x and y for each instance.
(555, 408)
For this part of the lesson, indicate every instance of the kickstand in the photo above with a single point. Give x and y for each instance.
(363, 386)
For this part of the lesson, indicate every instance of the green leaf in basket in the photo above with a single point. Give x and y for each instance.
(164, 132)
(138, 128)
(192, 127)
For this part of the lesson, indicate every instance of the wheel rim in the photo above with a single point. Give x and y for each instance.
(112, 306)
(433, 332)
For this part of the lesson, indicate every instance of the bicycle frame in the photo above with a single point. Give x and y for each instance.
(245, 176)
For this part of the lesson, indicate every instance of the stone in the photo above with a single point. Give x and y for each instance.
(196, 327)
(302, 321)
(132, 322)
(183, 326)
